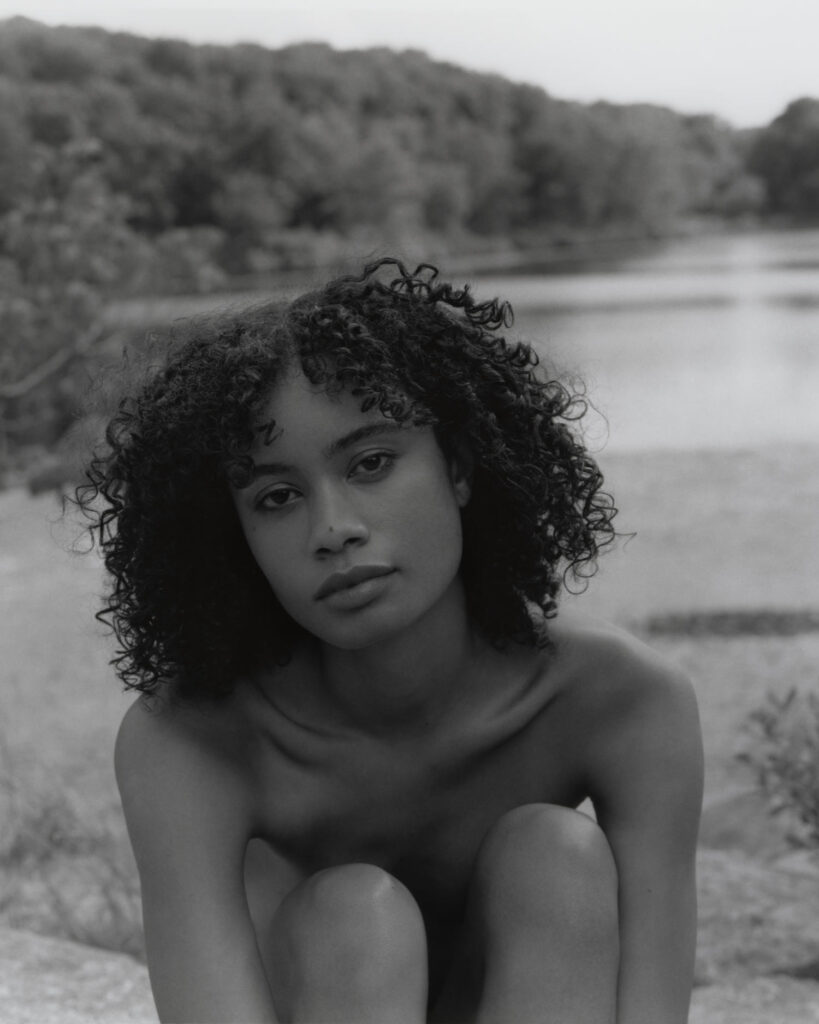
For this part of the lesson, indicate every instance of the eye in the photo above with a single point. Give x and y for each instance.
(277, 498)
(375, 464)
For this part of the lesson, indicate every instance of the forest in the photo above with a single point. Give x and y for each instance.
(132, 166)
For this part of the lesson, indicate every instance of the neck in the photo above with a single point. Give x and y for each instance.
(412, 680)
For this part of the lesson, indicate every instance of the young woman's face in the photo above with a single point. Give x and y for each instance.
(354, 520)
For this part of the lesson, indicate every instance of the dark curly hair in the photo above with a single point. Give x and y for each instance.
(188, 604)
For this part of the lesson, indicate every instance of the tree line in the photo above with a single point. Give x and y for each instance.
(135, 166)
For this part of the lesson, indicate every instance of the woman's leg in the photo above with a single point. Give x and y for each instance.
(348, 945)
(540, 943)
(545, 890)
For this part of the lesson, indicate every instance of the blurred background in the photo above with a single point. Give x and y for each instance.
(641, 182)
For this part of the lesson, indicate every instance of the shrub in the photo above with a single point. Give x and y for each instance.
(783, 752)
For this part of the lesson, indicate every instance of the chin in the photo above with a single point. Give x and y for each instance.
(356, 636)
(385, 620)
(364, 628)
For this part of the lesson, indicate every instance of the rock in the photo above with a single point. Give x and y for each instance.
(755, 920)
(757, 1001)
(52, 981)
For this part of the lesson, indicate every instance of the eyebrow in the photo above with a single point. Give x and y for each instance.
(339, 445)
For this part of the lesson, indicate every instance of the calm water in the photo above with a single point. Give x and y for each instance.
(706, 343)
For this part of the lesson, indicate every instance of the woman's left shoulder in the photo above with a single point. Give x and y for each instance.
(636, 718)
(616, 672)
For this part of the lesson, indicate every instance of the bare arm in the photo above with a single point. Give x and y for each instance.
(646, 785)
(188, 819)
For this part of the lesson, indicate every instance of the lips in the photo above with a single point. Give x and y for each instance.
(340, 581)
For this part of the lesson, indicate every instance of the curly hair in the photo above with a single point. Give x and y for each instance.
(188, 604)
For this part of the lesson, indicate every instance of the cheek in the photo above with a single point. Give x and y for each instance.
(429, 520)
(273, 558)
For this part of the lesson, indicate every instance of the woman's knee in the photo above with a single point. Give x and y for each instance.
(349, 944)
(541, 863)
(353, 915)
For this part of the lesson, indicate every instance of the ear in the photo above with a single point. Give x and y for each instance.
(461, 467)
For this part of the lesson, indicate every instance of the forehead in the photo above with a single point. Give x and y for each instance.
(300, 413)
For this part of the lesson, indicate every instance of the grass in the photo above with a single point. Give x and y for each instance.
(711, 547)
(65, 864)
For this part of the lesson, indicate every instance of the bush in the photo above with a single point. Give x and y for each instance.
(783, 752)
(66, 870)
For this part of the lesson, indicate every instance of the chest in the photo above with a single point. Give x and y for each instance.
(419, 811)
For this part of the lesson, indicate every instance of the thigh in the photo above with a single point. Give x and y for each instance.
(533, 893)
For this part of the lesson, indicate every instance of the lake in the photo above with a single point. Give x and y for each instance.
(701, 343)
(709, 342)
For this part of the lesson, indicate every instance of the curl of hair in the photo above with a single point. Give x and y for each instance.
(187, 602)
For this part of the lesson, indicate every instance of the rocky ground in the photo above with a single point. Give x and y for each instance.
(52, 981)
(757, 958)
(758, 944)
(758, 929)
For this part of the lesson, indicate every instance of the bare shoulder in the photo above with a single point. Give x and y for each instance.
(637, 714)
(159, 735)
(613, 671)
(180, 776)
(635, 709)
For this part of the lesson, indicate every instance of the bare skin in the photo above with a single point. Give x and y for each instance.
(384, 830)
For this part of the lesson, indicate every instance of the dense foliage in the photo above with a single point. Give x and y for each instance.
(133, 166)
(272, 147)
(786, 156)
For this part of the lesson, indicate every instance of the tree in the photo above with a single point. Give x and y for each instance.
(15, 149)
(64, 251)
(786, 157)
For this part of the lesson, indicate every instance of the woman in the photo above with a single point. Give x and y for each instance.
(337, 530)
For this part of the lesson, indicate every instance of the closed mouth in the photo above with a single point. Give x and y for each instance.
(349, 578)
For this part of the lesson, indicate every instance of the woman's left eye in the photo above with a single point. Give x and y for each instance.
(373, 465)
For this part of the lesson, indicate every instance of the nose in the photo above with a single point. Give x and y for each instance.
(336, 523)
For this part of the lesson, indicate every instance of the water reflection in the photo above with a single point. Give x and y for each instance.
(707, 344)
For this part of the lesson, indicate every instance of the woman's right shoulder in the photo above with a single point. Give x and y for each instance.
(174, 760)
(152, 730)
(166, 725)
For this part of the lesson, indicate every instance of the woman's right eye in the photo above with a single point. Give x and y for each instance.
(279, 498)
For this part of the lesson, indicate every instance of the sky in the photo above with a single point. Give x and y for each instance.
(743, 60)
